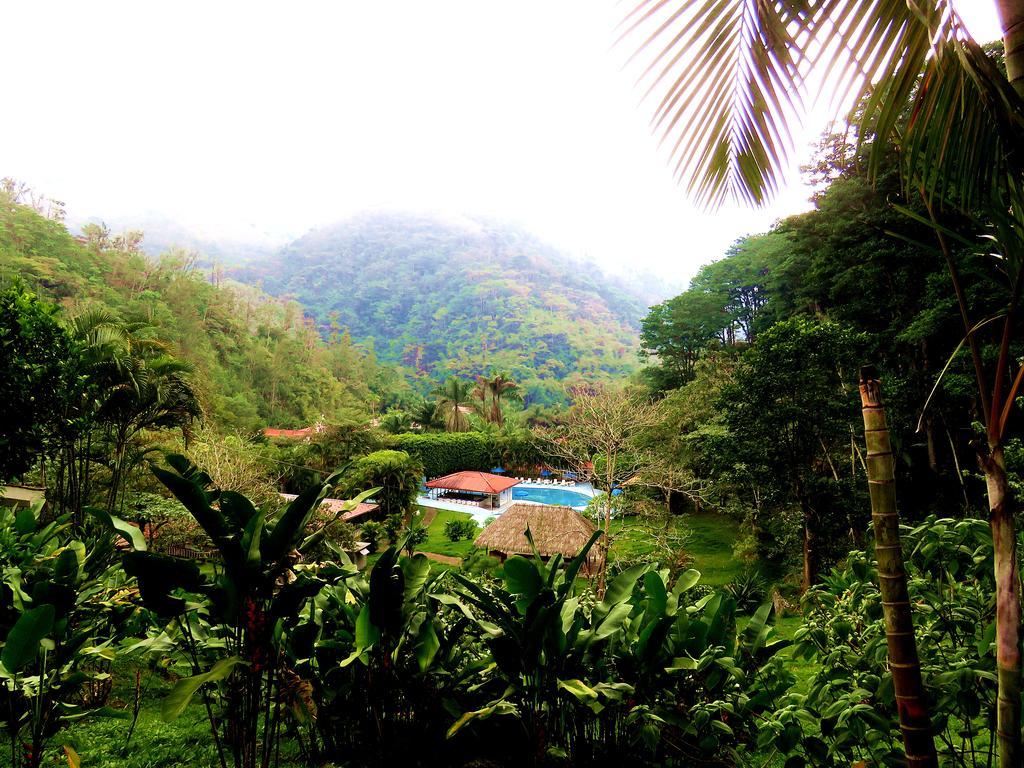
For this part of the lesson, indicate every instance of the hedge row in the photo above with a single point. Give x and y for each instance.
(442, 453)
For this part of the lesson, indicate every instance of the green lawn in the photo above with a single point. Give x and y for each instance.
(438, 543)
(102, 741)
(711, 539)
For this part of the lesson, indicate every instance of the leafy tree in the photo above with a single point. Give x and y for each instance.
(453, 403)
(397, 475)
(36, 358)
(677, 331)
(788, 411)
(741, 280)
(600, 439)
(149, 390)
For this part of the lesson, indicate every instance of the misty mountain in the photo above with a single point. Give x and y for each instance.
(460, 296)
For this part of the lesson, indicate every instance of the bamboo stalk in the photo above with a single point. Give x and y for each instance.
(911, 705)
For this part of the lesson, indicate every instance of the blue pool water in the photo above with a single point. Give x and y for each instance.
(544, 495)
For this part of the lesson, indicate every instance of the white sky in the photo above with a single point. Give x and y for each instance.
(266, 119)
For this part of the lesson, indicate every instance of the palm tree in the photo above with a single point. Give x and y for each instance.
(424, 414)
(730, 78)
(153, 394)
(496, 387)
(453, 398)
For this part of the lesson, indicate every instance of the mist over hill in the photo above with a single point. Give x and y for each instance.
(460, 296)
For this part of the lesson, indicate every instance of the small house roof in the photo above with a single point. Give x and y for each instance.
(332, 506)
(291, 434)
(477, 482)
(555, 530)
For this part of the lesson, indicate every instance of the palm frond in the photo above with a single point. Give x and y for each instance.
(730, 77)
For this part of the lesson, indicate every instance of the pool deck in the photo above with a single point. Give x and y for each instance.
(480, 513)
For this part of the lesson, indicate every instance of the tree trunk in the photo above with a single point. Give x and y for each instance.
(1011, 17)
(915, 723)
(810, 573)
(1008, 614)
(1000, 498)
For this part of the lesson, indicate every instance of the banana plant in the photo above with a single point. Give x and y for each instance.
(234, 638)
(541, 644)
(60, 613)
(383, 653)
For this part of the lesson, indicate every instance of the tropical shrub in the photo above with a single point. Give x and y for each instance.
(61, 613)
(848, 711)
(749, 590)
(643, 676)
(457, 530)
(396, 474)
(232, 643)
(384, 654)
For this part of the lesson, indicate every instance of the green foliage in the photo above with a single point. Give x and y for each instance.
(789, 416)
(444, 453)
(457, 530)
(847, 711)
(62, 611)
(460, 300)
(749, 590)
(642, 662)
(36, 373)
(396, 474)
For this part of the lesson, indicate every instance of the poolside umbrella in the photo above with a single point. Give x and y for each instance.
(497, 470)
(616, 491)
(545, 473)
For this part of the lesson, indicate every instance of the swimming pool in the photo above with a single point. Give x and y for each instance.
(543, 494)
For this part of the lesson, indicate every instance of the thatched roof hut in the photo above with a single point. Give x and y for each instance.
(555, 530)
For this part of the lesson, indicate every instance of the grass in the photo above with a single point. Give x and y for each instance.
(103, 741)
(438, 543)
(710, 544)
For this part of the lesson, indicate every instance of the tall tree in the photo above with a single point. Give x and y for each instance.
(453, 402)
(601, 439)
(732, 75)
(678, 330)
(788, 413)
(495, 388)
(36, 360)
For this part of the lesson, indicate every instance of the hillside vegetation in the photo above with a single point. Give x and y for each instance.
(257, 360)
(460, 298)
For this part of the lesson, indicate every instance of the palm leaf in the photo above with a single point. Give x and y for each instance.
(730, 78)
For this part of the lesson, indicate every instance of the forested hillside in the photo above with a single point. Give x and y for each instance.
(460, 298)
(257, 360)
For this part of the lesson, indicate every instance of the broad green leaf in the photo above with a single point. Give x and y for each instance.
(522, 577)
(22, 643)
(366, 633)
(130, 533)
(578, 688)
(500, 707)
(621, 587)
(427, 645)
(25, 521)
(186, 688)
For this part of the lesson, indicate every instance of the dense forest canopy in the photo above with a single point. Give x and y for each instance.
(257, 360)
(460, 297)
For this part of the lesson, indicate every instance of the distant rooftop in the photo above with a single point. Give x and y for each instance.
(474, 482)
